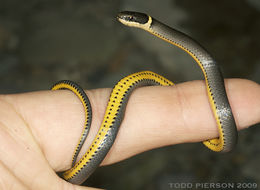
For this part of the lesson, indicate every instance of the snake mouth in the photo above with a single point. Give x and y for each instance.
(120, 15)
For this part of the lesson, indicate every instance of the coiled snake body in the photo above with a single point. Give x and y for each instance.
(114, 114)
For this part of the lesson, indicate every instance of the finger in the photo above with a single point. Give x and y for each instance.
(8, 181)
(179, 115)
(155, 116)
(20, 154)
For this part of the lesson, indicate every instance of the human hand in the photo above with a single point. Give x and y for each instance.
(39, 130)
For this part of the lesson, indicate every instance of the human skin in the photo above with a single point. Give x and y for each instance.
(39, 130)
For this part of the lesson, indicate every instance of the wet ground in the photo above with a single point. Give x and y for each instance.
(47, 40)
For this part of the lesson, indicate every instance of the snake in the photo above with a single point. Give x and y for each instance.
(80, 170)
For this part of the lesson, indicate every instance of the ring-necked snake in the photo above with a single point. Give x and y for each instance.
(121, 92)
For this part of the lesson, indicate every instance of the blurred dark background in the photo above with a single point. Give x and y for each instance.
(43, 41)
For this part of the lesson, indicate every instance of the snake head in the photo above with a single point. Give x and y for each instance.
(133, 19)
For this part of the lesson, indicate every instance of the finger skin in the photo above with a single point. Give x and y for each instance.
(22, 162)
(155, 116)
(8, 181)
(19, 152)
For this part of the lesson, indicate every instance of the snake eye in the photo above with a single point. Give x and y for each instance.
(131, 18)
